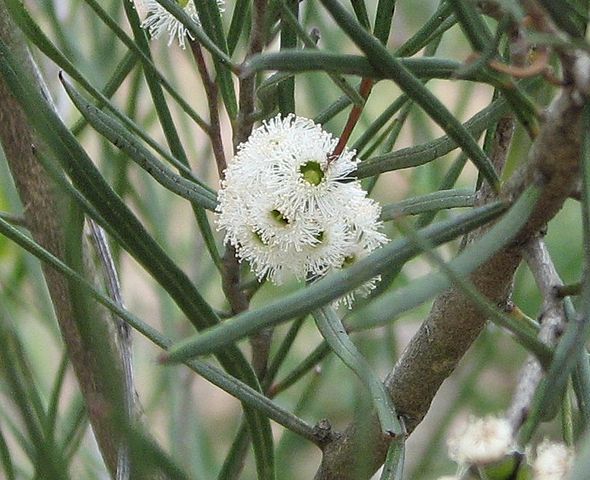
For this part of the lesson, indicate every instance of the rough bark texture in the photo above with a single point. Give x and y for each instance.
(454, 323)
(44, 216)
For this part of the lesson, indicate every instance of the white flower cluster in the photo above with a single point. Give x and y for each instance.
(488, 440)
(553, 461)
(158, 20)
(484, 440)
(291, 210)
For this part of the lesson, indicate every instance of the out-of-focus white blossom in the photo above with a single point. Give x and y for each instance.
(483, 441)
(291, 210)
(553, 461)
(159, 21)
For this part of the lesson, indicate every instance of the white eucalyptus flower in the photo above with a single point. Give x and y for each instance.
(483, 441)
(289, 209)
(159, 21)
(553, 461)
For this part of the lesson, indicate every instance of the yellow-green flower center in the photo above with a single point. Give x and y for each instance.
(182, 3)
(348, 261)
(279, 217)
(312, 172)
(258, 238)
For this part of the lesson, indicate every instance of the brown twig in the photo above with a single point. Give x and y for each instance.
(211, 92)
(353, 117)
(552, 323)
(538, 66)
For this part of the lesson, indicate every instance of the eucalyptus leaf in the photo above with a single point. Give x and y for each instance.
(329, 288)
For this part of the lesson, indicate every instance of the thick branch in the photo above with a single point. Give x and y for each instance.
(454, 323)
(44, 217)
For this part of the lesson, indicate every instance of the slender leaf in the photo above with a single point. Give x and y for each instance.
(241, 12)
(393, 468)
(340, 82)
(48, 463)
(525, 333)
(290, 60)
(118, 136)
(331, 328)
(327, 289)
(384, 19)
(286, 89)
(312, 360)
(428, 203)
(387, 307)
(210, 18)
(6, 458)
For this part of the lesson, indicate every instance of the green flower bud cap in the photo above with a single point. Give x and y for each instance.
(278, 217)
(312, 172)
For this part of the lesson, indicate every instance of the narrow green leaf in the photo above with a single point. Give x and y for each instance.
(45, 45)
(197, 32)
(74, 424)
(55, 397)
(210, 17)
(383, 20)
(472, 24)
(340, 82)
(331, 111)
(292, 60)
(525, 333)
(281, 353)
(440, 21)
(149, 459)
(383, 61)
(431, 202)
(388, 306)
(240, 13)
(147, 62)
(484, 42)
(169, 127)
(436, 25)
(6, 458)
(378, 123)
(360, 9)
(122, 139)
(393, 468)
(329, 288)
(311, 361)
(234, 460)
(286, 89)
(563, 14)
(122, 71)
(45, 457)
(331, 328)
(36, 35)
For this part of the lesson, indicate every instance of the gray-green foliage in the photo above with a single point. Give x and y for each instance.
(137, 143)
